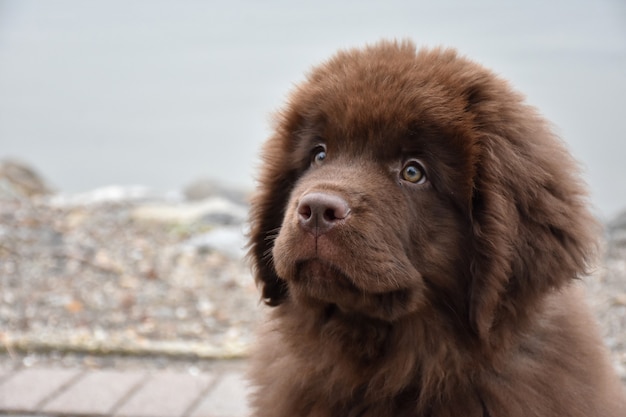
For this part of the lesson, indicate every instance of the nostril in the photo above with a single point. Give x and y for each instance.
(304, 210)
(330, 215)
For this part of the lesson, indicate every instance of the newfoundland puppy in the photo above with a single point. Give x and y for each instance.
(418, 232)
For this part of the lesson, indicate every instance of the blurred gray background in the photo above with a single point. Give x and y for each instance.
(161, 93)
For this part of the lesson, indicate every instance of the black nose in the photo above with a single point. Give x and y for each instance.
(320, 212)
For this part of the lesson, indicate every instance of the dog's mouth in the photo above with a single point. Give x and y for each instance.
(318, 272)
(321, 281)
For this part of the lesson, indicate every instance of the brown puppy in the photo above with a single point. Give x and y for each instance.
(418, 231)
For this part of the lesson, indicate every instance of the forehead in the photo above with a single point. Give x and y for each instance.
(384, 102)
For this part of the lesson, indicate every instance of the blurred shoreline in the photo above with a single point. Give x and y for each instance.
(123, 270)
(127, 271)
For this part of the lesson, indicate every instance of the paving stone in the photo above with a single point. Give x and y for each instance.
(166, 394)
(28, 388)
(6, 366)
(96, 393)
(5, 372)
(227, 399)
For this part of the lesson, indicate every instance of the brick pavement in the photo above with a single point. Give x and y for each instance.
(54, 391)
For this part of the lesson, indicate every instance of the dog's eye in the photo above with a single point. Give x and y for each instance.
(318, 155)
(414, 172)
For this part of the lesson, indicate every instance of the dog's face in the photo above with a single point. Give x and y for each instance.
(399, 181)
(375, 212)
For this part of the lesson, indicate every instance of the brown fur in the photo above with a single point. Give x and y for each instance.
(455, 297)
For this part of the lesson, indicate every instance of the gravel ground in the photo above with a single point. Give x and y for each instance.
(100, 278)
(119, 278)
(607, 292)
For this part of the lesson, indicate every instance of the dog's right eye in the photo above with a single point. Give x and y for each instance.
(318, 155)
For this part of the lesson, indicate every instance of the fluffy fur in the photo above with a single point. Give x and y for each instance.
(418, 231)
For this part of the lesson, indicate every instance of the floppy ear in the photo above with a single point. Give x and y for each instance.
(532, 232)
(278, 176)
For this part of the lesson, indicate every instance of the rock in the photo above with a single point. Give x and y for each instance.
(17, 178)
(203, 189)
(113, 194)
(227, 240)
(215, 210)
(616, 230)
(618, 223)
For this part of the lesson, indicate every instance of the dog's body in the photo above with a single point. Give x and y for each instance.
(307, 366)
(418, 231)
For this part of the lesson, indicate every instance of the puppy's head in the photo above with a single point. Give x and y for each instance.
(401, 182)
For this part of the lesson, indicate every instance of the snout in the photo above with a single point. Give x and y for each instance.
(319, 212)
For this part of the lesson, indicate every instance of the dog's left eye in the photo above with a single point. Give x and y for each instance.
(414, 172)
